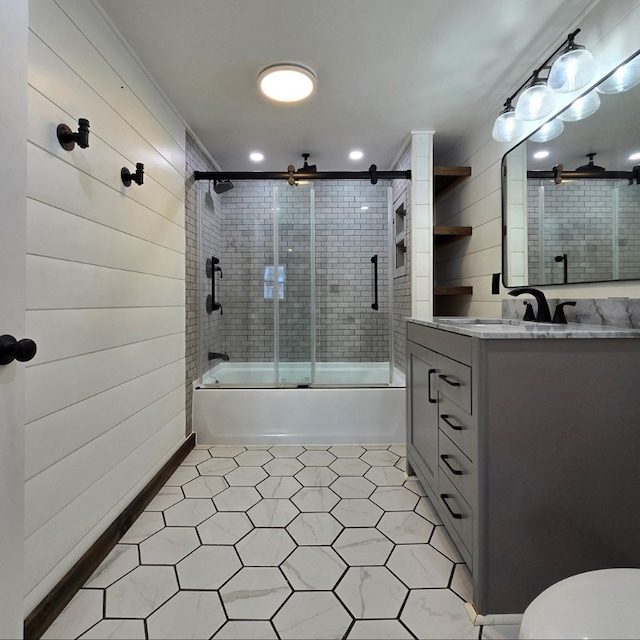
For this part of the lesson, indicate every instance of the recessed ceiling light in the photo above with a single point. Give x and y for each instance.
(538, 155)
(256, 156)
(356, 155)
(634, 156)
(287, 82)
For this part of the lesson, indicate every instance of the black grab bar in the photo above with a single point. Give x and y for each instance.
(374, 260)
(212, 305)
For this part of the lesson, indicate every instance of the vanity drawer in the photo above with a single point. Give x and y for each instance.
(459, 426)
(455, 510)
(454, 345)
(457, 467)
(454, 382)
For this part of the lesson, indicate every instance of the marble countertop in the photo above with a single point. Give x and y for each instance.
(507, 328)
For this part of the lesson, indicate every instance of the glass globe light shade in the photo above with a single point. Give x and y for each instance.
(507, 127)
(548, 131)
(622, 79)
(536, 102)
(581, 108)
(573, 70)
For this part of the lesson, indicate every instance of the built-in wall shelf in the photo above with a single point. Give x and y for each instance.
(452, 291)
(447, 178)
(446, 235)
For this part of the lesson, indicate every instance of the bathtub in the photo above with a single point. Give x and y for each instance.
(233, 405)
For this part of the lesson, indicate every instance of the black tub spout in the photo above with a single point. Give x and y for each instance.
(217, 356)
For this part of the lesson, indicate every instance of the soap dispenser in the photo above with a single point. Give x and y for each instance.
(528, 312)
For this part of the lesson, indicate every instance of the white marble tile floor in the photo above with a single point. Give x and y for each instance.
(287, 541)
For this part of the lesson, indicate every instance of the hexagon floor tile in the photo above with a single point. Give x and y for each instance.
(312, 615)
(372, 592)
(281, 541)
(314, 529)
(208, 567)
(255, 593)
(188, 615)
(363, 546)
(313, 568)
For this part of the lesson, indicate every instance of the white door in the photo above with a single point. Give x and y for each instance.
(13, 179)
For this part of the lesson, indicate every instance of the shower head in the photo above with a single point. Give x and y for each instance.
(306, 167)
(220, 186)
(590, 167)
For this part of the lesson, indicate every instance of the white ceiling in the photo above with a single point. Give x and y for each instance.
(384, 67)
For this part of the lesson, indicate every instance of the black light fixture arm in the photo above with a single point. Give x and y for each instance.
(543, 66)
(68, 139)
(372, 174)
(127, 177)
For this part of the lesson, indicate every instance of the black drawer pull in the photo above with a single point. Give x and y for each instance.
(445, 497)
(455, 427)
(446, 378)
(431, 400)
(456, 472)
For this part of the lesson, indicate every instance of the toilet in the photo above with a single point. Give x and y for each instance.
(596, 604)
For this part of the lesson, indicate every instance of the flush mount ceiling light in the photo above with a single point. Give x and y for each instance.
(287, 82)
(356, 155)
(538, 155)
(256, 156)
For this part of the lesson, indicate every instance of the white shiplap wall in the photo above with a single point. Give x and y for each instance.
(610, 31)
(105, 401)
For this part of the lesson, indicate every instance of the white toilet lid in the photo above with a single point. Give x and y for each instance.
(595, 604)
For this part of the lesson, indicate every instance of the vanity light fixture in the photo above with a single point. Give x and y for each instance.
(581, 108)
(569, 68)
(537, 101)
(622, 79)
(127, 177)
(287, 82)
(574, 69)
(548, 131)
(507, 127)
(68, 139)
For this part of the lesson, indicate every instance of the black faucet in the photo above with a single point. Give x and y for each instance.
(217, 356)
(544, 313)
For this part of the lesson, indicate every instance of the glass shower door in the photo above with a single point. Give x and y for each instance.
(352, 284)
(291, 277)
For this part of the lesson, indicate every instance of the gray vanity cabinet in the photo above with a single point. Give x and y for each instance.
(422, 407)
(530, 455)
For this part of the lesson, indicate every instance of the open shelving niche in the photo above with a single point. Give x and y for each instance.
(445, 179)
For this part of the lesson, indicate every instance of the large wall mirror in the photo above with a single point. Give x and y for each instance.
(571, 204)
